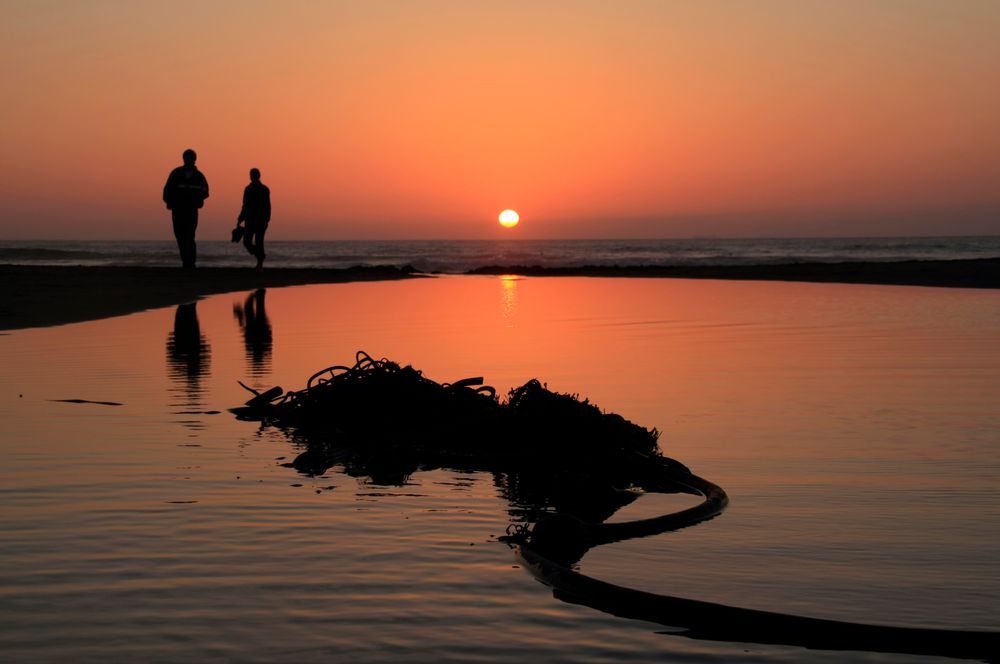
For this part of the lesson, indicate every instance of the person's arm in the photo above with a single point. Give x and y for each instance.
(168, 191)
(243, 208)
(201, 188)
(266, 212)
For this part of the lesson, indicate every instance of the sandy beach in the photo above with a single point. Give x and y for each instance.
(39, 296)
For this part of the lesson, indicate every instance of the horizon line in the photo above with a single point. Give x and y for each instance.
(548, 239)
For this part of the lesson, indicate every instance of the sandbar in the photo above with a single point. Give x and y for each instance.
(41, 296)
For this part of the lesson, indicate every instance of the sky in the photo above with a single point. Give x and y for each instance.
(423, 120)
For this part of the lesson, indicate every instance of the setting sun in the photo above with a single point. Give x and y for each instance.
(509, 218)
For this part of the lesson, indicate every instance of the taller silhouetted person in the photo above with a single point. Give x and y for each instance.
(184, 193)
(256, 213)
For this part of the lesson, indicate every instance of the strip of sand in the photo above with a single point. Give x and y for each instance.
(39, 296)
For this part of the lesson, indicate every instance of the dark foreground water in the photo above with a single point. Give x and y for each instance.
(854, 427)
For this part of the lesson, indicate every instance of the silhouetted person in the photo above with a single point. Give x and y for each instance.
(256, 213)
(256, 328)
(184, 193)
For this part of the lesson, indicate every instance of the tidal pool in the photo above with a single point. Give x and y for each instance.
(855, 429)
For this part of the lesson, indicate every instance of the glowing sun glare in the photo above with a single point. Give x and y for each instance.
(509, 218)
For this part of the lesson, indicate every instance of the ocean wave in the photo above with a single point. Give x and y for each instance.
(17, 254)
(459, 256)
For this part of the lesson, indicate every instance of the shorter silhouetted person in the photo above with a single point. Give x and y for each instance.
(185, 193)
(255, 214)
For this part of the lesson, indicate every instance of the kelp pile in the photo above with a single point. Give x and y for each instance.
(394, 410)
(572, 465)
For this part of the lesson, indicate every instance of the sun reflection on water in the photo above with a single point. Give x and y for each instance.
(508, 297)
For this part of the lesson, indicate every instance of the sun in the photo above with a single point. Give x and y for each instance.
(509, 218)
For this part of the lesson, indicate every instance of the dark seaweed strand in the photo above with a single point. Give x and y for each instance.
(719, 622)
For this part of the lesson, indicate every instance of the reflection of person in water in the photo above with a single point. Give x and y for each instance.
(256, 213)
(184, 193)
(252, 318)
(188, 352)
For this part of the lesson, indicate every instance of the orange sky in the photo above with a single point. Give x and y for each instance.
(425, 119)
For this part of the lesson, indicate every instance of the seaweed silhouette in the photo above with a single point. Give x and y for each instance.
(571, 466)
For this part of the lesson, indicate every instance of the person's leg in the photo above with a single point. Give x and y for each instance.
(253, 240)
(260, 245)
(192, 246)
(248, 231)
(184, 227)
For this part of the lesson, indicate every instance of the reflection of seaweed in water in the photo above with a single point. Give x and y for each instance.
(563, 465)
(257, 337)
(188, 357)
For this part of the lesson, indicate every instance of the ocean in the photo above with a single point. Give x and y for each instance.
(457, 256)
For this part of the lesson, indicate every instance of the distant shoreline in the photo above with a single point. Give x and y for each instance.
(963, 273)
(41, 296)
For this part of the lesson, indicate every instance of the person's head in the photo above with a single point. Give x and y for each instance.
(254, 175)
(189, 157)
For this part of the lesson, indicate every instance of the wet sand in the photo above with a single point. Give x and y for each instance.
(39, 296)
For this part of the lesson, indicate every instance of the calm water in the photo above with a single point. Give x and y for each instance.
(854, 427)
